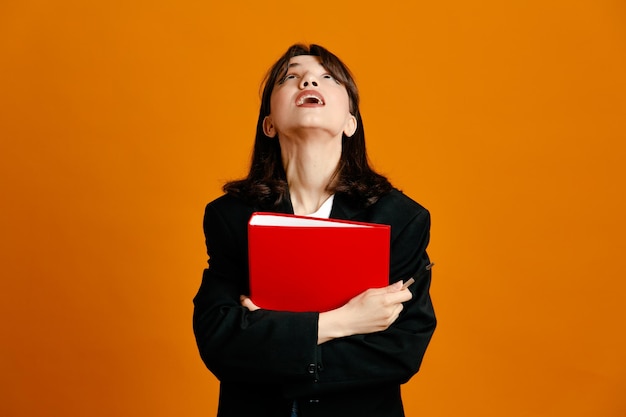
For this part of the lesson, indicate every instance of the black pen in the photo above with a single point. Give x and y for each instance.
(411, 280)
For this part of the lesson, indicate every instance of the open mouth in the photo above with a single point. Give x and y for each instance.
(309, 97)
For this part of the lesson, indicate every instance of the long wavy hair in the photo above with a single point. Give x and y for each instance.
(266, 183)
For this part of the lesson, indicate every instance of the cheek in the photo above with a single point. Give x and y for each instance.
(345, 103)
(341, 95)
(277, 102)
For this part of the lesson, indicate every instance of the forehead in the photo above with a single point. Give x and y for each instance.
(306, 61)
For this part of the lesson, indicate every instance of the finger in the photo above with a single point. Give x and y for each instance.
(393, 316)
(395, 287)
(247, 302)
(399, 296)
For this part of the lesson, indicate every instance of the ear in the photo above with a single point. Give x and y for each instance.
(268, 127)
(351, 125)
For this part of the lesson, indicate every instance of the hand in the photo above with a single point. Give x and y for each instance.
(247, 302)
(371, 311)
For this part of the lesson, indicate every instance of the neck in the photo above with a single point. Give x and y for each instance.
(309, 166)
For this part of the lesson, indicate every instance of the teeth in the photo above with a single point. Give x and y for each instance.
(303, 99)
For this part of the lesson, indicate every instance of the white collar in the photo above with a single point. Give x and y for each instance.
(324, 211)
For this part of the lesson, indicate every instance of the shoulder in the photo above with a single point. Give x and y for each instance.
(400, 202)
(406, 216)
(227, 211)
(397, 207)
(230, 205)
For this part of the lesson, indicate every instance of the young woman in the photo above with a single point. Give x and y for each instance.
(310, 159)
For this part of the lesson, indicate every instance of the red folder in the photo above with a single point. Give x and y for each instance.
(300, 263)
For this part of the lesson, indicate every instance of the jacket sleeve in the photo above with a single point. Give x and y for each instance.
(394, 355)
(235, 343)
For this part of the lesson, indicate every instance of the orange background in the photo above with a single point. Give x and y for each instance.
(120, 120)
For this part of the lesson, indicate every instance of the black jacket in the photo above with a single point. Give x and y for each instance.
(265, 359)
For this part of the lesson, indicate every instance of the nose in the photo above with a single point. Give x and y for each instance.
(308, 80)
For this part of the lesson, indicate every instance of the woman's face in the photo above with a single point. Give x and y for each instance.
(309, 100)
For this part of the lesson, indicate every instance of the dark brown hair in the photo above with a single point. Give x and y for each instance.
(266, 183)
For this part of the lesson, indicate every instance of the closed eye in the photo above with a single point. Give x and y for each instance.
(287, 77)
(330, 77)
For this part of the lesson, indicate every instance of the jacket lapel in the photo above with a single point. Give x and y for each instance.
(345, 208)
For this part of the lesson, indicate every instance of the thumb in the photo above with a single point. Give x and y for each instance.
(396, 286)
